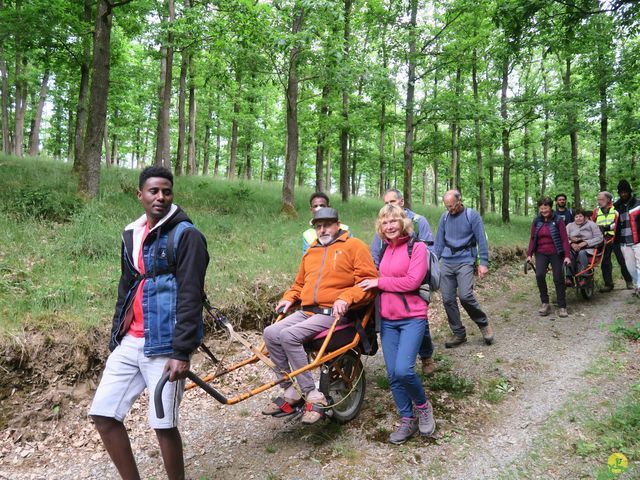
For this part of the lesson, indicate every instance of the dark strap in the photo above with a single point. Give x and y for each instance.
(364, 339)
(317, 309)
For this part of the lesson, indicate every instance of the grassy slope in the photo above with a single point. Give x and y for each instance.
(59, 259)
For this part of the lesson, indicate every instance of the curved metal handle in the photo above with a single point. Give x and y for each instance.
(157, 397)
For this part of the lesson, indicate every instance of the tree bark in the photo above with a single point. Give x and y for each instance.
(506, 150)
(604, 128)
(191, 137)
(70, 127)
(233, 151)
(327, 181)
(320, 143)
(573, 134)
(344, 130)
(482, 203)
(526, 170)
(20, 104)
(163, 141)
(83, 90)
(291, 158)
(34, 134)
(4, 93)
(408, 124)
(89, 174)
(207, 140)
(455, 151)
(216, 165)
(107, 150)
(182, 92)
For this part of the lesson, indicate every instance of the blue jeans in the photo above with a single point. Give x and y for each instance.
(401, 340)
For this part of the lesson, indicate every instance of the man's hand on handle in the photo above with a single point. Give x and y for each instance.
(283, 306)
(340, 307)
(177, 369)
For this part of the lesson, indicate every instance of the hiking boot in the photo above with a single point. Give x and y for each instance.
(407, 429)
(606, 289)
(455, 341)
(544, 310)
(562, 312)
(428, 366)
(426, 422)
(629, 285)
(487, 334)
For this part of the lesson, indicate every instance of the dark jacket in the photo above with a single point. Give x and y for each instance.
(624, 234)
(557, 232)
(172, 296)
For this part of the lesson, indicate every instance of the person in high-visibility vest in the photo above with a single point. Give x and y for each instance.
(606, 217)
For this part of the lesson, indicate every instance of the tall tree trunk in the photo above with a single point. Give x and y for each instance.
(291, 158)
(145, 149)
(163, 140)
(233, 151)
(20, 103)
(545, 138)
(604, 128)
(327, 181)
(455, 136)
(191, 137)
(344, 131)
(136, 150)
(492, 188)
(4, 103)
(182, 124)
(353, 145)
(482, 203)
(573, 134)
(411, 86)
(506, 149)
(383, 113)
(436, 146)
(207, 140)
(107, 150)
(320, 146)
(70, 126)
(262, 161)
(34, 134)
(83, 90)
(89, 178)
(526, 170)
(216, 165)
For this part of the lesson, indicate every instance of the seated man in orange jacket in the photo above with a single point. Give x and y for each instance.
(327, 286)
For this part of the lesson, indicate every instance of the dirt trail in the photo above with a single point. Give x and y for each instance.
(539, 363)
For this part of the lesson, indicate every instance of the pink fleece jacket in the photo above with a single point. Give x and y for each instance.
(401, 276)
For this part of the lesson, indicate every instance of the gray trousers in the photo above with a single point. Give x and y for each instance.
(456, 281)
(285, 340)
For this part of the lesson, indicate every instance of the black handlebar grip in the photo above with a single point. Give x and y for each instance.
(157, 397)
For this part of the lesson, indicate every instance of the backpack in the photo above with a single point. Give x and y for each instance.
(431, 281)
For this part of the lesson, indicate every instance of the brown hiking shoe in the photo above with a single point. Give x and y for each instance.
(545, 309)
(455, 341)
(428, 366)
(562, 312)
(487, 334)
(606, 289)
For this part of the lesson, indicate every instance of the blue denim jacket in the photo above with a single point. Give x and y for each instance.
(172, 295)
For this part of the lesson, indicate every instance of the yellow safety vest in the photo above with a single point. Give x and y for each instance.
(606, 220)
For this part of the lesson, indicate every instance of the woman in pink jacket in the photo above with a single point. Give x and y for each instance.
(404, 320)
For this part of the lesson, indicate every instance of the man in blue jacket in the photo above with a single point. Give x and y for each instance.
(157, 323)
(460, 238)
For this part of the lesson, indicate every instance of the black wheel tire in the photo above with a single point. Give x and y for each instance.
(346, 396)
(587, 290)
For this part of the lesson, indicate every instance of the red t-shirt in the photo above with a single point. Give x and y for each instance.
(137, 323)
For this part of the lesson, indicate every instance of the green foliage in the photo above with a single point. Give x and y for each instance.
(457, 386)
(495, 390)
(40, 204)
(619, 431)
(630, 332)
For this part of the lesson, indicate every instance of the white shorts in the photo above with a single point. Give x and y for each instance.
(127, 373)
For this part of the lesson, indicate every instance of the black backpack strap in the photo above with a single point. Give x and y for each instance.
(364, 339)
(410, 244)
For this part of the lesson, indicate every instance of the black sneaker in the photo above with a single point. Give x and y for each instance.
(606, 289)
